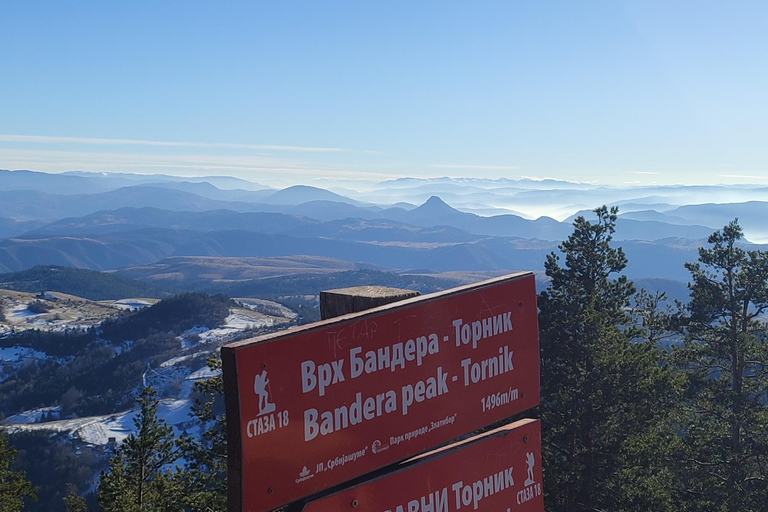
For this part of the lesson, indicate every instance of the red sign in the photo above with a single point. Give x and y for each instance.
(319, 405)
(494, 472)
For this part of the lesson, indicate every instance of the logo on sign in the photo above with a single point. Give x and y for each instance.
(260, 388)
(304, 475)
(377, 447)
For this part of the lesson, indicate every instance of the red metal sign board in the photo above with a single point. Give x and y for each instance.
(319, 405)
(494, 472)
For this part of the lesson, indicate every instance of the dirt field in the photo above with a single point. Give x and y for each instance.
(50, 311)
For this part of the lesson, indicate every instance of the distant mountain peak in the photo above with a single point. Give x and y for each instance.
(303, 187)
(436, 204)
(434, 212)
(299, 194)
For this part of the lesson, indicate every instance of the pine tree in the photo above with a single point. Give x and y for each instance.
(725, 355)
(75, 503)
(14, 486)
(140, 476)
(601, 391)
(206, 470)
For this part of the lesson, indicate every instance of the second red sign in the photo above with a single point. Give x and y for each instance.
(498, 471)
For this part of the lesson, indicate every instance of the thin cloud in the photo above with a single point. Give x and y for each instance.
(742, 176)
(42, 139)
(649, 173)
(95, 159)
(485, 167)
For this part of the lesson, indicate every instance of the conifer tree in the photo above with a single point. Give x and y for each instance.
(14, 486)
(600, 390)
(205, 473)
(74, 502)
(140, 477)
(725, 356)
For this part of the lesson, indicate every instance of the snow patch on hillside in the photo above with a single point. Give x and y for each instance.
(15, 354)
(267, 307)
(238, 321)
(176, 360)
(203, 373)
(131, 304)
(33, 415)
(21, 311)
(233, 324)
(98, 430)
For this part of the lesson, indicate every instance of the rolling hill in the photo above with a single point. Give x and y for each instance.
(45, 182)
(662, 258)
(84, 283)
(200, 271)
(299, 194)
(133, 219)
(14, 227)
(30, 204)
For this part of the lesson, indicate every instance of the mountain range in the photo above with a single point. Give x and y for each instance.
(119, 222)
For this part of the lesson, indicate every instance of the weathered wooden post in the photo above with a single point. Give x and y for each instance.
(343, 301)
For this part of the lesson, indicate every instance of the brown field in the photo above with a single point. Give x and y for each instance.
(64, 311)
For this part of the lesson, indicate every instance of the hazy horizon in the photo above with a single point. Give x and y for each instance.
(364, 182)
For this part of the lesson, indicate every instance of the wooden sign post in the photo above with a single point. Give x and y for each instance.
(318, 405)
(343, 301)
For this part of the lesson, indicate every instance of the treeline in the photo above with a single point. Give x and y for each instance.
(298, 292)
(153, 469)
(57, 467)
(176, 314)
(632, 426)
(88, 284)
(56, 344)
(95, 380)
(313, 284)
(93, 375)
(94, 371)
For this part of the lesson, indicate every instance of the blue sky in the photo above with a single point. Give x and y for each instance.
(300, 92)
